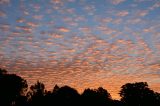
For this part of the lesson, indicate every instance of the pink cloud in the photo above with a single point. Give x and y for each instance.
(142, 13)
(116, 2)
(38, 17)
(122, 13)
(2, 14)
(4, 1)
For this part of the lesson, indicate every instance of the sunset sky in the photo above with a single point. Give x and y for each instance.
(82, 43)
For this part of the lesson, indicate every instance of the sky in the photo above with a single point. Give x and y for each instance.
(82, 43)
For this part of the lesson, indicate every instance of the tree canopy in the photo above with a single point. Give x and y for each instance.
(13, 92)
(11, 87)
(138, 94)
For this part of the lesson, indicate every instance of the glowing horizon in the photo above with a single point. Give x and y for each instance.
(82, 43)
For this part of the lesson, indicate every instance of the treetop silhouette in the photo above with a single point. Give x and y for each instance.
(13, 92)
(138, 94)
(11, 87)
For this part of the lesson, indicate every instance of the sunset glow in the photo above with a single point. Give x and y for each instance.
(82, 43)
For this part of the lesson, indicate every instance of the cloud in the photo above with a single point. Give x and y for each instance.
(135, 21)
(105, 20)
(85, 29)
(5, 27)
(117, 21)
(156, 5)
(122, 13)
(116, 2)
(20, 20)
(142, 13)
(142, 0)
(38, 17)
(63, 29)
(25, 29)
(2, 14)
(32, 24)
(4, 1)
(106, 30)
(56, 1)
(16, 33)
(55, 35)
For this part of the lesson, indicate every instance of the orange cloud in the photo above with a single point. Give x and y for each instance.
(63, 29)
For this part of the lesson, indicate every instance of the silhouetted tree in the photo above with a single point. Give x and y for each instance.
(49, 99)
(3, 72)
(13, 93)
(11, 88)
(21, 101)
(117, 103)
(56, 88)
(66, 96)
(138, 94)
(36, 94)
(96, 97)
(157, 99)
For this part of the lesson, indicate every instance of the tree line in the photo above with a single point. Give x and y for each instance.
(14, 91)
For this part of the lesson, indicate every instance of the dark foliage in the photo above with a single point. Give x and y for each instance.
(13, 93)
(12, 87)
(139, 94)
(97, 97)
(36, 94)
(65, 96)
